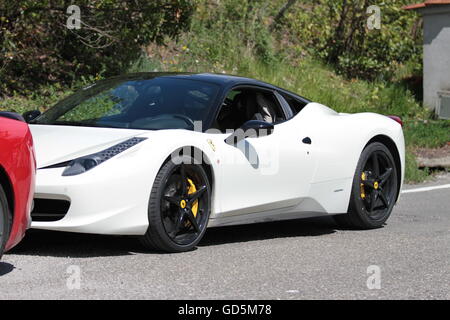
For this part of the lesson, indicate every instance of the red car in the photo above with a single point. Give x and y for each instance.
(17, 175)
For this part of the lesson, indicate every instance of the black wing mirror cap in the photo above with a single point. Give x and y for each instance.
(250, 129)
(12, 115)
(31, 115)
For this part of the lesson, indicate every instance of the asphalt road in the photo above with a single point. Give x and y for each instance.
(303, 259)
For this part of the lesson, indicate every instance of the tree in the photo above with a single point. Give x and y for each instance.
(39, 46)
(281, 13)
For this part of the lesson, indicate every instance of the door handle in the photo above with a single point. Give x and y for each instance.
(307, 140)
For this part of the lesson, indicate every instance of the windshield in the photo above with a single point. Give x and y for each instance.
(151, 104)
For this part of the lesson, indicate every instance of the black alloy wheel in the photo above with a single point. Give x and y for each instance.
(179, 207)
(374, 190)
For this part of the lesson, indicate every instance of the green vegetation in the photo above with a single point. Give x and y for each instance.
(337, 32)
(299, 50)
(412, 174)
(428, 133)
(37, 47)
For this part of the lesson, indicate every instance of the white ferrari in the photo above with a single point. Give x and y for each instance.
(163, 156)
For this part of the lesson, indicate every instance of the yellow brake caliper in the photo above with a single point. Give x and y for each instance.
(192, 189)
(363, 192)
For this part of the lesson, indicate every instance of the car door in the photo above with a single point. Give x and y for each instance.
(264, 173)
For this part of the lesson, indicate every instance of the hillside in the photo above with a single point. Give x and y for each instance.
(251, 39)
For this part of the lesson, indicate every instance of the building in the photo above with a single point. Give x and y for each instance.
(436, 54)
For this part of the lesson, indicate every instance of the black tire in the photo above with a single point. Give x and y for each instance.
(171, 228)
(5, 221)
(374, 190)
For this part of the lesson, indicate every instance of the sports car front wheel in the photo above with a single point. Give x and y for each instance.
(179, 206)
(374, 190)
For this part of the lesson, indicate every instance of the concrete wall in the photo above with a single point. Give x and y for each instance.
(436, 55)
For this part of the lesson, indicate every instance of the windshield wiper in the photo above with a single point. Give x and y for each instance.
(86, 124)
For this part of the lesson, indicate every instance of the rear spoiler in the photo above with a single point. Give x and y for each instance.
(397, 119)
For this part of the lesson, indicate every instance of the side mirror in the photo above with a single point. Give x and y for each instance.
(11, 115)
(31, 115)
(250, 129)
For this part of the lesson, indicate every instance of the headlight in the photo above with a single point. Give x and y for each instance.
(86, 163)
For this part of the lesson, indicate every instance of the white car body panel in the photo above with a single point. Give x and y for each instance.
(290, 180)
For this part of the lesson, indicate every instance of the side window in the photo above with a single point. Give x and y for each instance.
(228, 117)
(296, 105)
(269, 108)
(242, 105)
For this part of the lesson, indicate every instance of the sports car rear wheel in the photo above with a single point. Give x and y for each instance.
(374, 190)
(5, 221)
(179, 206)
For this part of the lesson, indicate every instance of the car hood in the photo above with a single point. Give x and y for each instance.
(55, 144)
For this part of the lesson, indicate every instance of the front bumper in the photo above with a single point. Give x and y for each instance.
(109, 199)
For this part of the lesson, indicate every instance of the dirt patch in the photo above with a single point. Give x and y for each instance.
(433, 158)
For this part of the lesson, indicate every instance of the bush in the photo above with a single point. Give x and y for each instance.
(37, 47)
(337, 32)
(224, 33)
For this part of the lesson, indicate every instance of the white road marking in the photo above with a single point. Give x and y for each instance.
(293, 291)
(444, 186)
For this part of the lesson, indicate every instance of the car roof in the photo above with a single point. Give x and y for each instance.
(223, 80)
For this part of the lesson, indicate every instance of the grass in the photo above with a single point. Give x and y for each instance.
(41, 100)
(427, 134)
(412, 173)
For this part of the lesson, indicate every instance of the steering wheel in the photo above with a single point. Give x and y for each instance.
(185, 118)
